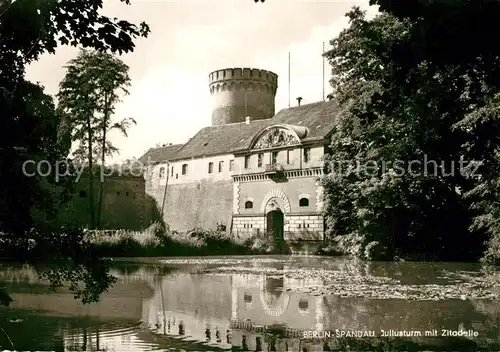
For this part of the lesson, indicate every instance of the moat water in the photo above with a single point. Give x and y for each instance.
(278, 303)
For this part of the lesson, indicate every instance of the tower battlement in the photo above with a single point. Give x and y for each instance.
(241, 92)
(252, 74)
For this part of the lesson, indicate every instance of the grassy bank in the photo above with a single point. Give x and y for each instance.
(158, 240)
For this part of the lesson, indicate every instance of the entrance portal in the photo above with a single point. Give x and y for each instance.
(275, 224)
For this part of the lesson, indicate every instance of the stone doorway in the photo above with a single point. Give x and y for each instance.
(276, 224)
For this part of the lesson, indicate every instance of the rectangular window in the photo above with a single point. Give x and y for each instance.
(172, 171)
(221, 166)
(307, 155)
(274, 158)
(247, 161)
(288, 156)
(260, 157)
(184, 169)
(231, 165)
(162, 172)
(210, 168)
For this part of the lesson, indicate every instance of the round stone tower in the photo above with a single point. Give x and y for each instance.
(241, 92)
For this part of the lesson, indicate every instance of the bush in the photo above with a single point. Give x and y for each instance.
(492, 253)
(355, 245)
(261, 243)
(159, 240)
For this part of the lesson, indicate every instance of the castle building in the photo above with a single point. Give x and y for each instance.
(252, 170)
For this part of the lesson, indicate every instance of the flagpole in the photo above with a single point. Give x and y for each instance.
(323, 75)
(288, 79)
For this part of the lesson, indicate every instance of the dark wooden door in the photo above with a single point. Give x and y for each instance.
(275, 223)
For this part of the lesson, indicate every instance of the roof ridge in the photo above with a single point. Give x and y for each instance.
(318, 117)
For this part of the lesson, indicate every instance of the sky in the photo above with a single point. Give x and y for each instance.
(169, 96)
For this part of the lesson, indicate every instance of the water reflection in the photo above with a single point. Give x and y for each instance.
(184, 308)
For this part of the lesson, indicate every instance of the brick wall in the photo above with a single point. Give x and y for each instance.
(296, 227)
(247, 226)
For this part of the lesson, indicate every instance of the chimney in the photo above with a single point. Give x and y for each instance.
(247, 120)
(299, 99)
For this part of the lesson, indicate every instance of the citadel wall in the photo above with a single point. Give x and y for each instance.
(202, 204)
(198, 198)
(124, 204)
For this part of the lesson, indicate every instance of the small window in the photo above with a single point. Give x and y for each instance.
(307, 155)
(274, 158)
(172, 171)
(231, 165)
(126, 194)
(260, 157)
(162, 172)
(247, 161)
(83, 194)
(221, 166)
(184, 169)
(303, 202)
(210, 168)
(248, 204)
(118, 193)
(288, 156)
(303, 304)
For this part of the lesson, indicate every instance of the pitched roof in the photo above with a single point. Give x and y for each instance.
(319, 118)
(161, 154)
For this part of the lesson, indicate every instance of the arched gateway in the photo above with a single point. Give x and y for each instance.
(274, 207)
(275, 224)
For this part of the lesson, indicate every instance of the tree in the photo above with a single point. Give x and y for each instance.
(28, 29)
(456, 37)
(106, 148)
(402, 99)
(89, 93)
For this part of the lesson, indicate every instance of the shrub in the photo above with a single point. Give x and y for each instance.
(492, 253)
(261, 243)
(158, 240)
